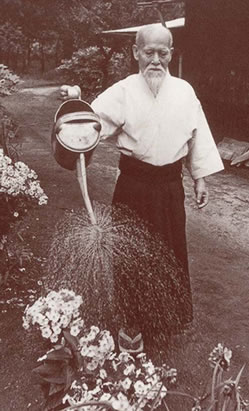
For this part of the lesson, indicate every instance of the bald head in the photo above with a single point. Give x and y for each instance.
(156, 32)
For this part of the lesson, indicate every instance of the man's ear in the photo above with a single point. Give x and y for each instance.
(171, 53)
(135, 51)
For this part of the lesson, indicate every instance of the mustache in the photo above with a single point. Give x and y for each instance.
(154, 69)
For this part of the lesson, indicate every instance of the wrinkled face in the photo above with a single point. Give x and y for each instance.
(154, 51)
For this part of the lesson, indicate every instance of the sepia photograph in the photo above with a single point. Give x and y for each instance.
(124, 205)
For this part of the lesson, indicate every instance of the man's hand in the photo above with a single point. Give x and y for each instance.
(201, 192)
(70, 92)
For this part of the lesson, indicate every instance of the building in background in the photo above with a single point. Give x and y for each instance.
(216, 62)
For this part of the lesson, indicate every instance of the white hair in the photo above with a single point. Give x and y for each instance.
(150, 28)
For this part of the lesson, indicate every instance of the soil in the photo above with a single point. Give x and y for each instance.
(218, 255)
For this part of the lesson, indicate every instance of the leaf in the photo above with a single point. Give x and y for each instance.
(73, 341)
(55, 388)
(57, 379)
(239, 376)
(69, 377)
(60, 354)
(54, 401)
(46, 369)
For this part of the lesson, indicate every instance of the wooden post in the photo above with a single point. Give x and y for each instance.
(180, 59)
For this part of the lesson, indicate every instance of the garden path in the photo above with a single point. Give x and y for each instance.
(217, 240)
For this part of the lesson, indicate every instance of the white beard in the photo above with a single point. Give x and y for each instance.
(154, 79)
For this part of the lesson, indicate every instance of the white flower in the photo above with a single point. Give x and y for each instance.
(105, 397)
(92, 351)
(46, 332)
(74, 330)
(84, 351)
(25, 324)
(121, 404)
(126, 383)
(139, 387)
(56, 329)
(93, 333)
(129, 369)
(54, 338)
(150, 369)
(91, 366)
(125, 357)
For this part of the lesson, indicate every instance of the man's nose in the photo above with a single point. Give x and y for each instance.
(156, 59)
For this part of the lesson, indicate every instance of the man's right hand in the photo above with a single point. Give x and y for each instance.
(70, 92)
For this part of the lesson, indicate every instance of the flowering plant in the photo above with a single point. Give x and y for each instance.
(82, 372)
(17, 179)
(81, 366)
(19, 189)
(53, 313)
(123, 382)
(8, 81)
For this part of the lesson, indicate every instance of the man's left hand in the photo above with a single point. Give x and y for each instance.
(201, 192)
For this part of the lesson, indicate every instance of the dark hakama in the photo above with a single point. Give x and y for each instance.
(156, 194)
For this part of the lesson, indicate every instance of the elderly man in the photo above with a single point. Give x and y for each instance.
(158, 121)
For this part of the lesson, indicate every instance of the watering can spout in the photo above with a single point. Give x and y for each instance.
(81, 176)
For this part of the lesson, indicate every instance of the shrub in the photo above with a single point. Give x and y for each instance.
(8, 81)
(85, 69)
(19, 190)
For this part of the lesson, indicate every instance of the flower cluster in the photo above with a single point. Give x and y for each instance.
(124, 382)
(220, 355)
(18, 179)
(83, 371)
(96, 346)
(8, 81)
(55, 312)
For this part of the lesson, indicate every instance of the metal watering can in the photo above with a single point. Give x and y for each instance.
(75, 134)
(76, 130)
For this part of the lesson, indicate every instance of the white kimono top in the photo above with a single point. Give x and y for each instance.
(159, 130)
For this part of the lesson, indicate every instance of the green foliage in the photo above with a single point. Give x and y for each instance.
(85, 70)
(57, 371)
(60, 27)
(8, 81)
(9, 141)
(14, 254)
(82, 370)
(12, 38)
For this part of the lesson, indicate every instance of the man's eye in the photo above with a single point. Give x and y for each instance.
(149, 53)
(164, 53)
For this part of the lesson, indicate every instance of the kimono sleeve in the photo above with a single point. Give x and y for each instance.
(109, 105)
(203, 157)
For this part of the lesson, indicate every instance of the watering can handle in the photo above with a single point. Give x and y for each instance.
(81, 176)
